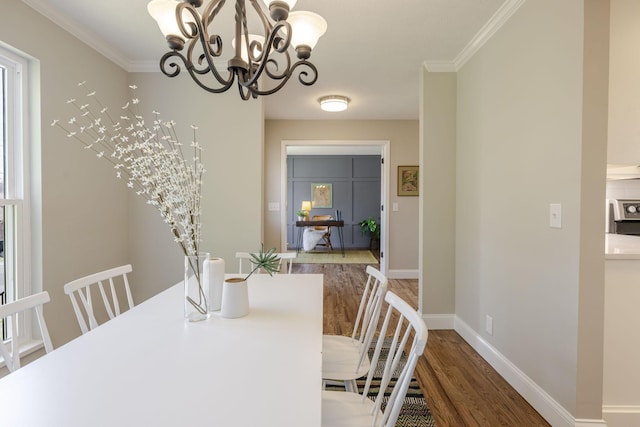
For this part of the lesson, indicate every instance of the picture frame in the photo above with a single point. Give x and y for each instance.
(321, 195)
(408, 181)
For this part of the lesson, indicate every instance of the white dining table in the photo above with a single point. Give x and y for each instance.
(150, 367)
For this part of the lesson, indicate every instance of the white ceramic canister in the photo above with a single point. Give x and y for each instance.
(214, 275)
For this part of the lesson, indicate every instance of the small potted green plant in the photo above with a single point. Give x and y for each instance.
(372, 227)
(302, 215)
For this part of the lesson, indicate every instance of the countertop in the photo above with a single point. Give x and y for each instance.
(619, 246)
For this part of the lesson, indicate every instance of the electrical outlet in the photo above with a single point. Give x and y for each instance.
(488, 326)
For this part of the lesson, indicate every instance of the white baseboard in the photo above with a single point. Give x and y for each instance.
(403, 274)
(541, 401)
(439, 321)
(621, 416)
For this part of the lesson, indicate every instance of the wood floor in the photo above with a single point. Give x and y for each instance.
(461, 389)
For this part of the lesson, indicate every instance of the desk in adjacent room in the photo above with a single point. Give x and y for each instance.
(339, 224)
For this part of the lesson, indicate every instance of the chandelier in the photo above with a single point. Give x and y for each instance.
(255, 59)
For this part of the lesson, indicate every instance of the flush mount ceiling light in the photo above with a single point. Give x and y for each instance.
(263, 57)
(334, 103)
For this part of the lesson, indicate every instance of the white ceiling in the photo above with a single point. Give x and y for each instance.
(372, 51)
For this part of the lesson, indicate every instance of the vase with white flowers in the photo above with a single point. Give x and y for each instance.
(150, 158)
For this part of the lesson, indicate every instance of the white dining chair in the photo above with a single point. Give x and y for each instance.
(10, 312)
(286, 260)
(350, 409)
(244, 260)
(344, 358)
(80, 289)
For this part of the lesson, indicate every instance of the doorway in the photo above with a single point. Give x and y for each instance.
(339, 147)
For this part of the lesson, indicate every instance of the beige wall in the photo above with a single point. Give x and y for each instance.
(624, 90)
(531, 131)
(80, 210)
(87, 219)
(230, 130)
(437, 211)
(403, 137)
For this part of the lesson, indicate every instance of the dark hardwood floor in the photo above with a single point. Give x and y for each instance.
(460, 387)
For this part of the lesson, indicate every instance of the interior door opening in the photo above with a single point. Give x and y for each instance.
(338, 148)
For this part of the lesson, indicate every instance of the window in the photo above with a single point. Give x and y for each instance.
(14, 200)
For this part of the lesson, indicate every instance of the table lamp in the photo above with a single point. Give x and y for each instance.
(306, 207)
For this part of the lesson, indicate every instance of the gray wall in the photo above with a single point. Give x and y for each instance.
(356, 192)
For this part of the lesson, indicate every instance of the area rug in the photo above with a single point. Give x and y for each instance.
(414, 412)
(335, 257)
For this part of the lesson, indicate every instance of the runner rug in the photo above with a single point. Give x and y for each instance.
(414, 412)
(335, 257)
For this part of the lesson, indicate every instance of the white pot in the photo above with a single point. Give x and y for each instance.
(235, 298)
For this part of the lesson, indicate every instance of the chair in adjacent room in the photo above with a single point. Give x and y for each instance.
(80, 290)
(326, 236)
(244, 260)
(287, 258)
(344, 358)
(350, 409)
(10, 312)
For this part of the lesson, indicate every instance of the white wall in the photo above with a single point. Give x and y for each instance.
(531, 131)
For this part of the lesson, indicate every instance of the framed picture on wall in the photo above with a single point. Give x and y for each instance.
(408, 184)
(321, 195)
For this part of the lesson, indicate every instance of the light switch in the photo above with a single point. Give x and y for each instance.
(395, 206)
(274, 206)
(555, 215)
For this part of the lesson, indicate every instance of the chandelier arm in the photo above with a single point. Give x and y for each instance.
(301, 78)
(208, 52)
(188, 31)
(224, 85)
(211, 11)
(272, 40)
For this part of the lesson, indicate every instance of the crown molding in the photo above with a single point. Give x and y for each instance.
(144, 66)
(440, 66)
(496, 22)
(487, 31)
(87, 37)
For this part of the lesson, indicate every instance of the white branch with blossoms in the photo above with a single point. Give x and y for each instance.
(149, 158)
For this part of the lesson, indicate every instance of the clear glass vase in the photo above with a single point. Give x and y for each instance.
(196, 288)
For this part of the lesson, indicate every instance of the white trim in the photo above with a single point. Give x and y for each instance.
(385, 152)
(593, 423)
(541, 401)
(403, 274)
(144, 66)
(439, 321)
(621, 415)
(487, 31)
(81, 33)
(440, 66)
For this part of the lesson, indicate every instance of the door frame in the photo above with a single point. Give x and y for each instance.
(343, 147)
